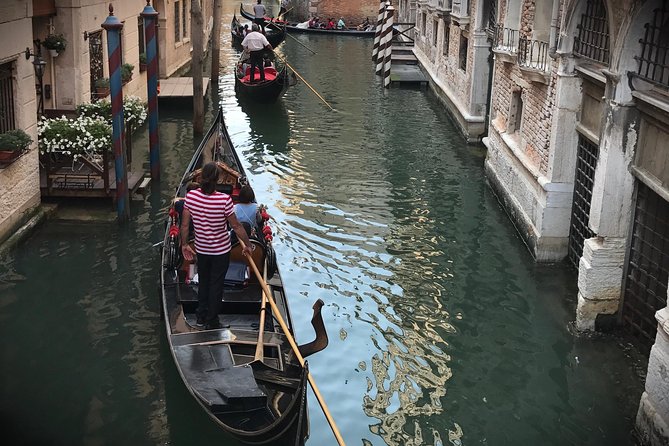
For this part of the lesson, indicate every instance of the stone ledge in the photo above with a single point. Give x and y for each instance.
(587, 311)
(40, 214)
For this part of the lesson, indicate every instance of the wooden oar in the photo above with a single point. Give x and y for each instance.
(261, 329)
(296, 350)
(294, 38)
(305, 81)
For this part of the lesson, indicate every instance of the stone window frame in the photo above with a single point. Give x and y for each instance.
(516, 109)
(423, 23)
(185, 18)
(447, 37)
(435, 32)
(178, 38)
(463, 53)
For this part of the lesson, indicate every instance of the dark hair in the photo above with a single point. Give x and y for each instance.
(209, 178)
(246, 194)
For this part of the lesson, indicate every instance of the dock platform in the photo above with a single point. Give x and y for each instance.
(174, 88)
(404, 68)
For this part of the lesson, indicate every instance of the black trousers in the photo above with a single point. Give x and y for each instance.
(257, 61)
(211, 272)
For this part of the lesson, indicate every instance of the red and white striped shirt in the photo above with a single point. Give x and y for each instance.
(210, 215)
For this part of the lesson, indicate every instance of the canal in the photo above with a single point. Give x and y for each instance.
(442, 328)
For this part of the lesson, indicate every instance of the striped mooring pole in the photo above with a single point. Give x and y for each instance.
(389, 46)
(386, 35)
(113, 27)
(379, 25)
(150, 16)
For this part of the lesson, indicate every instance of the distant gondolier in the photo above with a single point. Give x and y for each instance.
(284, 8)
(260, 13)
(256, 44)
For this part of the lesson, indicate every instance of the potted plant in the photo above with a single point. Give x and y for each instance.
(12, 144)
(102, 87)
(126, 72)
(142, 62)
(55, 43)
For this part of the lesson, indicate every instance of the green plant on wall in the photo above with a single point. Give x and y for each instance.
(55, 42)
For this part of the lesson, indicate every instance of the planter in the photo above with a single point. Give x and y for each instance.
(102, 92)
(54, 53)
(142, 67)
(9, 156)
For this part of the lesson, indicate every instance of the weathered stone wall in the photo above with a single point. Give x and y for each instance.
(353, 11)
(19, 181)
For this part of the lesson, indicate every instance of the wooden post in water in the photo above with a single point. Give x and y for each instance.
(377, 34)
(216, 43)
(150, 17)
(386, 35)
(197, 31)
(113, 27)
(389, 47)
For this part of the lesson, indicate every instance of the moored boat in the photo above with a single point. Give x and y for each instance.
(245, 375)
(275, 34)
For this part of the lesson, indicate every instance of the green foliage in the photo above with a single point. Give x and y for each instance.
(142, 58)
(103, 82)
(14, 140)
(134, 110)
(82, 136)
(126, 71)
(55, 42)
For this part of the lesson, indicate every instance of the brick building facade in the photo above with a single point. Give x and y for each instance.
(578, 120)
(353, 11)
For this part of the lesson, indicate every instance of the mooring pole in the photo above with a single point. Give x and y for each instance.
(385, 32)
(387, 60)
(113, 27)
(150, 16)
(377, 33)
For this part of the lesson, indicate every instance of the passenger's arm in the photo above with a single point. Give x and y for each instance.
(186, 250)
(241, 233)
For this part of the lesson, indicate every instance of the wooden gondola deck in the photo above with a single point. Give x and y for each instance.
(179, 88)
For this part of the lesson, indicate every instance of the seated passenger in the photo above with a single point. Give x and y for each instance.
(341, 24)
(330, 25)
(246, 208)
(364, 25)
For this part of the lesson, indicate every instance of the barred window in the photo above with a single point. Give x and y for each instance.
(177, 21)
(592, 41)
(653, 63)
(7, 116)
(464, 47)
(435, 31)
(447, 35)
(185, 10)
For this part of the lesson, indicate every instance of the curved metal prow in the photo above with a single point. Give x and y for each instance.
(321, 340)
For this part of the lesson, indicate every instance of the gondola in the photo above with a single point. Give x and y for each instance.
(275, 34)
(256, 400)
(294, 28)
(267, 91)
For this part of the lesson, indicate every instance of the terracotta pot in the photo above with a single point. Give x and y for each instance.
(102, 92)
(8, 156)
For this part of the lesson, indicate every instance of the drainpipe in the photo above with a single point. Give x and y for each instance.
(555, 29)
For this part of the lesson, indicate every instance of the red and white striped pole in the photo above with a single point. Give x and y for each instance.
(379, 25)
(113, 27)
(150, 17)
(389, 47)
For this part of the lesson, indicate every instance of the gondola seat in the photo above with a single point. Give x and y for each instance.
(270, 75)
(217, 382)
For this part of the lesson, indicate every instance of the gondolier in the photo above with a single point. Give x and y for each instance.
(256, 44)
(260, 13)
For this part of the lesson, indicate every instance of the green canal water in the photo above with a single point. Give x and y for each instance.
(442, 328)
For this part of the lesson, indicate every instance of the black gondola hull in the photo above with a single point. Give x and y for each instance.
(264, 92)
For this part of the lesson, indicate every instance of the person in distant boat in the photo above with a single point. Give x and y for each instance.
(331, 24)
(260, 13)
(211, 212)
(246, 208)
(246, 30)
(284, 8)
(314, 23)
(364, 25)
(256, 44)
(341, 24)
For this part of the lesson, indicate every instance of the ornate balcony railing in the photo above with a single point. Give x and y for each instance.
(533, 54)
(506, 39)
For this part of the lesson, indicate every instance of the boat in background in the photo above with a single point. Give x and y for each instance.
(267, 91)
(245, 375)
(295, 28)
(275, 34)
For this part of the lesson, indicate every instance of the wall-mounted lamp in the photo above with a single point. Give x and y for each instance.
(38, 65)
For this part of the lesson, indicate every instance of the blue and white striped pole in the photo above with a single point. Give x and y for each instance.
(113, 27)
(150, 16)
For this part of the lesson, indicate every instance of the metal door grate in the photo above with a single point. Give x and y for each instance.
(653, 63)
(7, 121)
(647, 268)
(593, 33)
(95, 52)
(579, 230)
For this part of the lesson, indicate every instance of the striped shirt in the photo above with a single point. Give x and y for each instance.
(210, 215)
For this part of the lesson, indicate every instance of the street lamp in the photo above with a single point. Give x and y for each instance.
(38, 65)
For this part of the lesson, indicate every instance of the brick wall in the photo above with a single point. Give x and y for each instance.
(353, 11)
